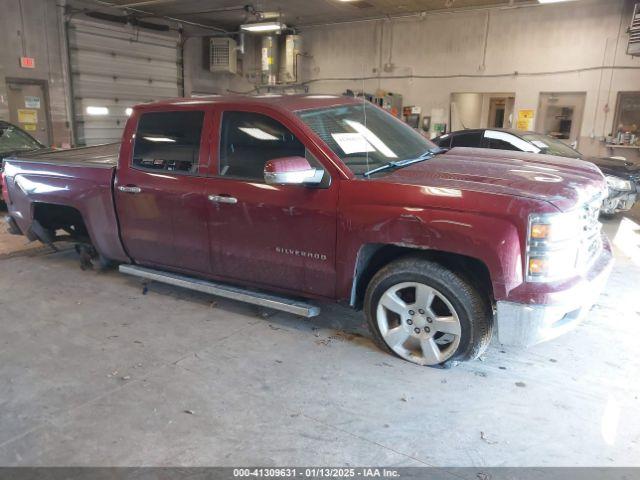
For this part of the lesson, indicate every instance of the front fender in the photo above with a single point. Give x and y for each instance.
(496, 242)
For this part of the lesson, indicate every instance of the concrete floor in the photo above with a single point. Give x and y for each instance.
(94, 372)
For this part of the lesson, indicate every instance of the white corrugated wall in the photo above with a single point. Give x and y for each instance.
(114, 67)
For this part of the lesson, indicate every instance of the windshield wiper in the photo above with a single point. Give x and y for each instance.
(403, 163)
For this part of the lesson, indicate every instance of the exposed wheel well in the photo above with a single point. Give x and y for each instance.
(372, 257)
(61, 217)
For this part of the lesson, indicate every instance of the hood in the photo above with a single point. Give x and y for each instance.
(616, 166)
(563, 182)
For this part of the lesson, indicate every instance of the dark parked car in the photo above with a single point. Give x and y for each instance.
(15, 140)
(623, 177)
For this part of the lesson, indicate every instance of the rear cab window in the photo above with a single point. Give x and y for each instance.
(168, 141)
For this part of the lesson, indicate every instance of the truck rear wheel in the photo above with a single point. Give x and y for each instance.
(427, 314)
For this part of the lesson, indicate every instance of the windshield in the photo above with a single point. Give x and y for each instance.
(12, 139)
(364, 136)
(551, 146)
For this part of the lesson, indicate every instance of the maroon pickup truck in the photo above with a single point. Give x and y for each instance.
(283, 200)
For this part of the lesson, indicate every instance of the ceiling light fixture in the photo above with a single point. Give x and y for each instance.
(263, 27)
(554, 1)
(92, 110)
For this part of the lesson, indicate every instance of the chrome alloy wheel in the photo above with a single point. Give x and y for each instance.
(418, 323)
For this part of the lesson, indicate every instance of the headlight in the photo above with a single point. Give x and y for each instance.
(617, 183)
(552, 246)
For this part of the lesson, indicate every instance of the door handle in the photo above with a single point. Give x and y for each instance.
(129, 189)
(223, 199)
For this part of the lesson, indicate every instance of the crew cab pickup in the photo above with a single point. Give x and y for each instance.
(284, 201)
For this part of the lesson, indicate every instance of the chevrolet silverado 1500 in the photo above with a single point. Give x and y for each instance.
(280, 200)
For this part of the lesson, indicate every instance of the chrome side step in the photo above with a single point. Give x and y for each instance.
(227, 291)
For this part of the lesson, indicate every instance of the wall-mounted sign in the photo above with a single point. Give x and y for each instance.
(31, 101)
(27, 116)
(30, 127)
(27, 62)
(525, 119)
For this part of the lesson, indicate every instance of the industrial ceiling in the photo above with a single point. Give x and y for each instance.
(229, 14)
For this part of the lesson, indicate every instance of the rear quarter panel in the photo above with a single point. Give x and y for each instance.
(85, 188)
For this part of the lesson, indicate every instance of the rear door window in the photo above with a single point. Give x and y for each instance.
(168, 141)
(466, 139)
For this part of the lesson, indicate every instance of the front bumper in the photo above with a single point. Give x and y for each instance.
(618, 201)
(524, 325)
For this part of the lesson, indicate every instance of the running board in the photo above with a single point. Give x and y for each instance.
(227, 291)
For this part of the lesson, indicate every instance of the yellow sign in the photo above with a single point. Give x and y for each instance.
(27, 116)
(30, 127)
(525, 119)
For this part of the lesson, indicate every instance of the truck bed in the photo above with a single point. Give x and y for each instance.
(96, 156)
(61, 182)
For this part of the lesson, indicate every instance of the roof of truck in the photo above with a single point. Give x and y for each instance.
(286, 102)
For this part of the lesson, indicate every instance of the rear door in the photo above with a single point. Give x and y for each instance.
(160, 191)
(279, 236)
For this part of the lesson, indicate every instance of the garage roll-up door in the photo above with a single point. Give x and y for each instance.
(114, 67)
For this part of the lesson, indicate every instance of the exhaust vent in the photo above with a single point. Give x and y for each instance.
(223, 56)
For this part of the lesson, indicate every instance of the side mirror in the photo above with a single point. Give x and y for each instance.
(291, 171)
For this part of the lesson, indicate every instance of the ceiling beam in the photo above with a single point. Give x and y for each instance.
(104, 3)
(145, 2)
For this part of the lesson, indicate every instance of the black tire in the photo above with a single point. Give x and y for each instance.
(473, 309)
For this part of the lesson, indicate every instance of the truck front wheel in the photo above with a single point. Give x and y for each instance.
(426, 313)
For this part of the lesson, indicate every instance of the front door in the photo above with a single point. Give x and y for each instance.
(278, 236)
(160, 194)
(28, 108)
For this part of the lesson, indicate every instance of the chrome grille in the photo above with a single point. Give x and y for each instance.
(590, 243)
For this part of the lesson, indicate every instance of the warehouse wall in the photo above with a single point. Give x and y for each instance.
(450, 52)
(31, 28)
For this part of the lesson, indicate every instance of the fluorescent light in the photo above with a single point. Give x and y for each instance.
(263, 27)
(160, 139)
(97, 111)
(258, 133)
(554, 1)
(128, 111)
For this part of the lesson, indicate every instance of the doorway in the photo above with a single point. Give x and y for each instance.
(481, 110)
(29, 107)
(560, 115)
(496, 113)
(500, 112)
